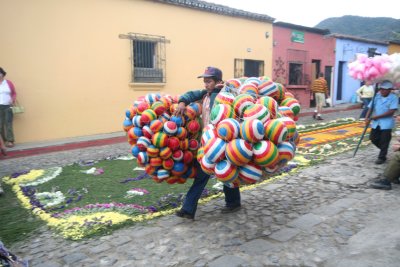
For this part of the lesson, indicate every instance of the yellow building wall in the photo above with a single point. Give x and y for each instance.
(393, 48)
(72, 72)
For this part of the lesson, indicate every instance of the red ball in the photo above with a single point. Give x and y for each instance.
(147, 131)
(193, 126)
(173, 143)
(187, 157)
(177, 155)
(142, 106)
(193, 144)
(168, 164)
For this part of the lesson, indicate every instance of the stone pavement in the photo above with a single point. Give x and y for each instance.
(323, 215)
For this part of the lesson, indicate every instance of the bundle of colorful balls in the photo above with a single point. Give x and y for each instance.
(164, 144)
(252, 131)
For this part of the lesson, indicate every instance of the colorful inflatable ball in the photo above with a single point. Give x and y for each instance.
(239, 152)
(193, 126)
(174, 143)
(220, 112)
(286, 152)
(271, 105)
(153, 151)
(256, 111)
(127, 124)
(275, 131)
(250, 173)
(224, 98)
(170, 128)
(207, 166)
(147, 132)
(290, 125)
(160, 139)
(241, 102)
(135, 133)
(168, 163)
(214, 149)
(228, 129)
(158, 107)
(142, 158)
(252, 130)
(156, 126)
(165, 152)
(147, 116)
(162, 174)
(143, 143)
(225, 171)
(265, 153)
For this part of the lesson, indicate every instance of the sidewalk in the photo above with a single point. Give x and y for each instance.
(36, 148)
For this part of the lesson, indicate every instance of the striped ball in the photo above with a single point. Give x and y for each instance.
(272, 169)
(225, 171)
(249, 88)
(174, 143)
(250, 173)
(166, 100)
(153, 151)
(290, 125)
(180, 121)
(150, 170)
(224, 98)
(271, 104)
(135, 150)
(129, 113)
(252, 130)
(168, 164)
(136, 121)
(253, 80)
(156, 162)
(165, 117)
(207, 135)
(228, 129)
(162, 174)
(158, 107)
(280, 93)
(207, 166)
(220, 112)
(200, 153)
(165, 152)
(193, 126)
(241, 103)
(160, 139)
(191, 112)
(151, 98)
(268, 88)
(275, 131)
(142, 106)
(256, 111)
(214, 149)
(286, 112)
(265, 153)
(177, 155)
(288, 95)
(239, 152)
(135, 133)
(170, 128)
(286, 152)
(173, 108)
(147, 131)
(143, 143)
(156, 126)
(181, 133)
(147, 116)
(127, 124)
(233, 84)
(142, 158)
(184, 144)
(293, 104)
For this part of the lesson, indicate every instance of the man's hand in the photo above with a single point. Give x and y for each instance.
(180, 110)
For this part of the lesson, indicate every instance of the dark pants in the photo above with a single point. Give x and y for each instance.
(366, 102)
(381, 139)
(6, 123)
(232, 195)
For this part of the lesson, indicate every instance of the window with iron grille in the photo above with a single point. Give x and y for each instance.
(297, 60)
(148, 57)
(248, 68)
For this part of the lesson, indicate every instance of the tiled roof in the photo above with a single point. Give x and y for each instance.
(302, 28)
(356, 38)
(219, 9)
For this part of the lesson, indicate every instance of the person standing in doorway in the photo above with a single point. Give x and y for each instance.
(320, 89)
(8, 97)
(365, 92)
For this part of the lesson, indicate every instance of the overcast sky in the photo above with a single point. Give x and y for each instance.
(310, 12)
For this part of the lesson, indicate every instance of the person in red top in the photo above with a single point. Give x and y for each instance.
(320, 89)
(8, 97)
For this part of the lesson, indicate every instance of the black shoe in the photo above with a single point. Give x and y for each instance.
(314, 115)
(230, 209)
(380, 161)
(319, 118)
(383, 184)
(183, 214)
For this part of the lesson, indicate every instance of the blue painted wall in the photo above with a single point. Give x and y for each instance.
(346, 51)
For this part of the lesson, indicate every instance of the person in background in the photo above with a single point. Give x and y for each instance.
(365, 92)
(391, 173)
(213, 83)
(320, 88)
(385, 105)
(7, 99)
(3, 149)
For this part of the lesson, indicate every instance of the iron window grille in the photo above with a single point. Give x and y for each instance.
(248, 68)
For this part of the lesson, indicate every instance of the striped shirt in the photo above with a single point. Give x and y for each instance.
(320, 86)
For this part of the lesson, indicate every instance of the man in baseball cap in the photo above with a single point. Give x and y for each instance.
(212, 72)
(386, 85)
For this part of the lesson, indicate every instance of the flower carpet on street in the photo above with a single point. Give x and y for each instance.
(94, 197)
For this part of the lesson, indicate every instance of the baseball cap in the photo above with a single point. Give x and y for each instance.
(212, 72)
(386, 85)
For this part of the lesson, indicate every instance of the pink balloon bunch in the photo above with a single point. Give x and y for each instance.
(369, 68)
(394, 73)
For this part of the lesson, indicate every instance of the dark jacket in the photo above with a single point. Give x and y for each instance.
(197, 95)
